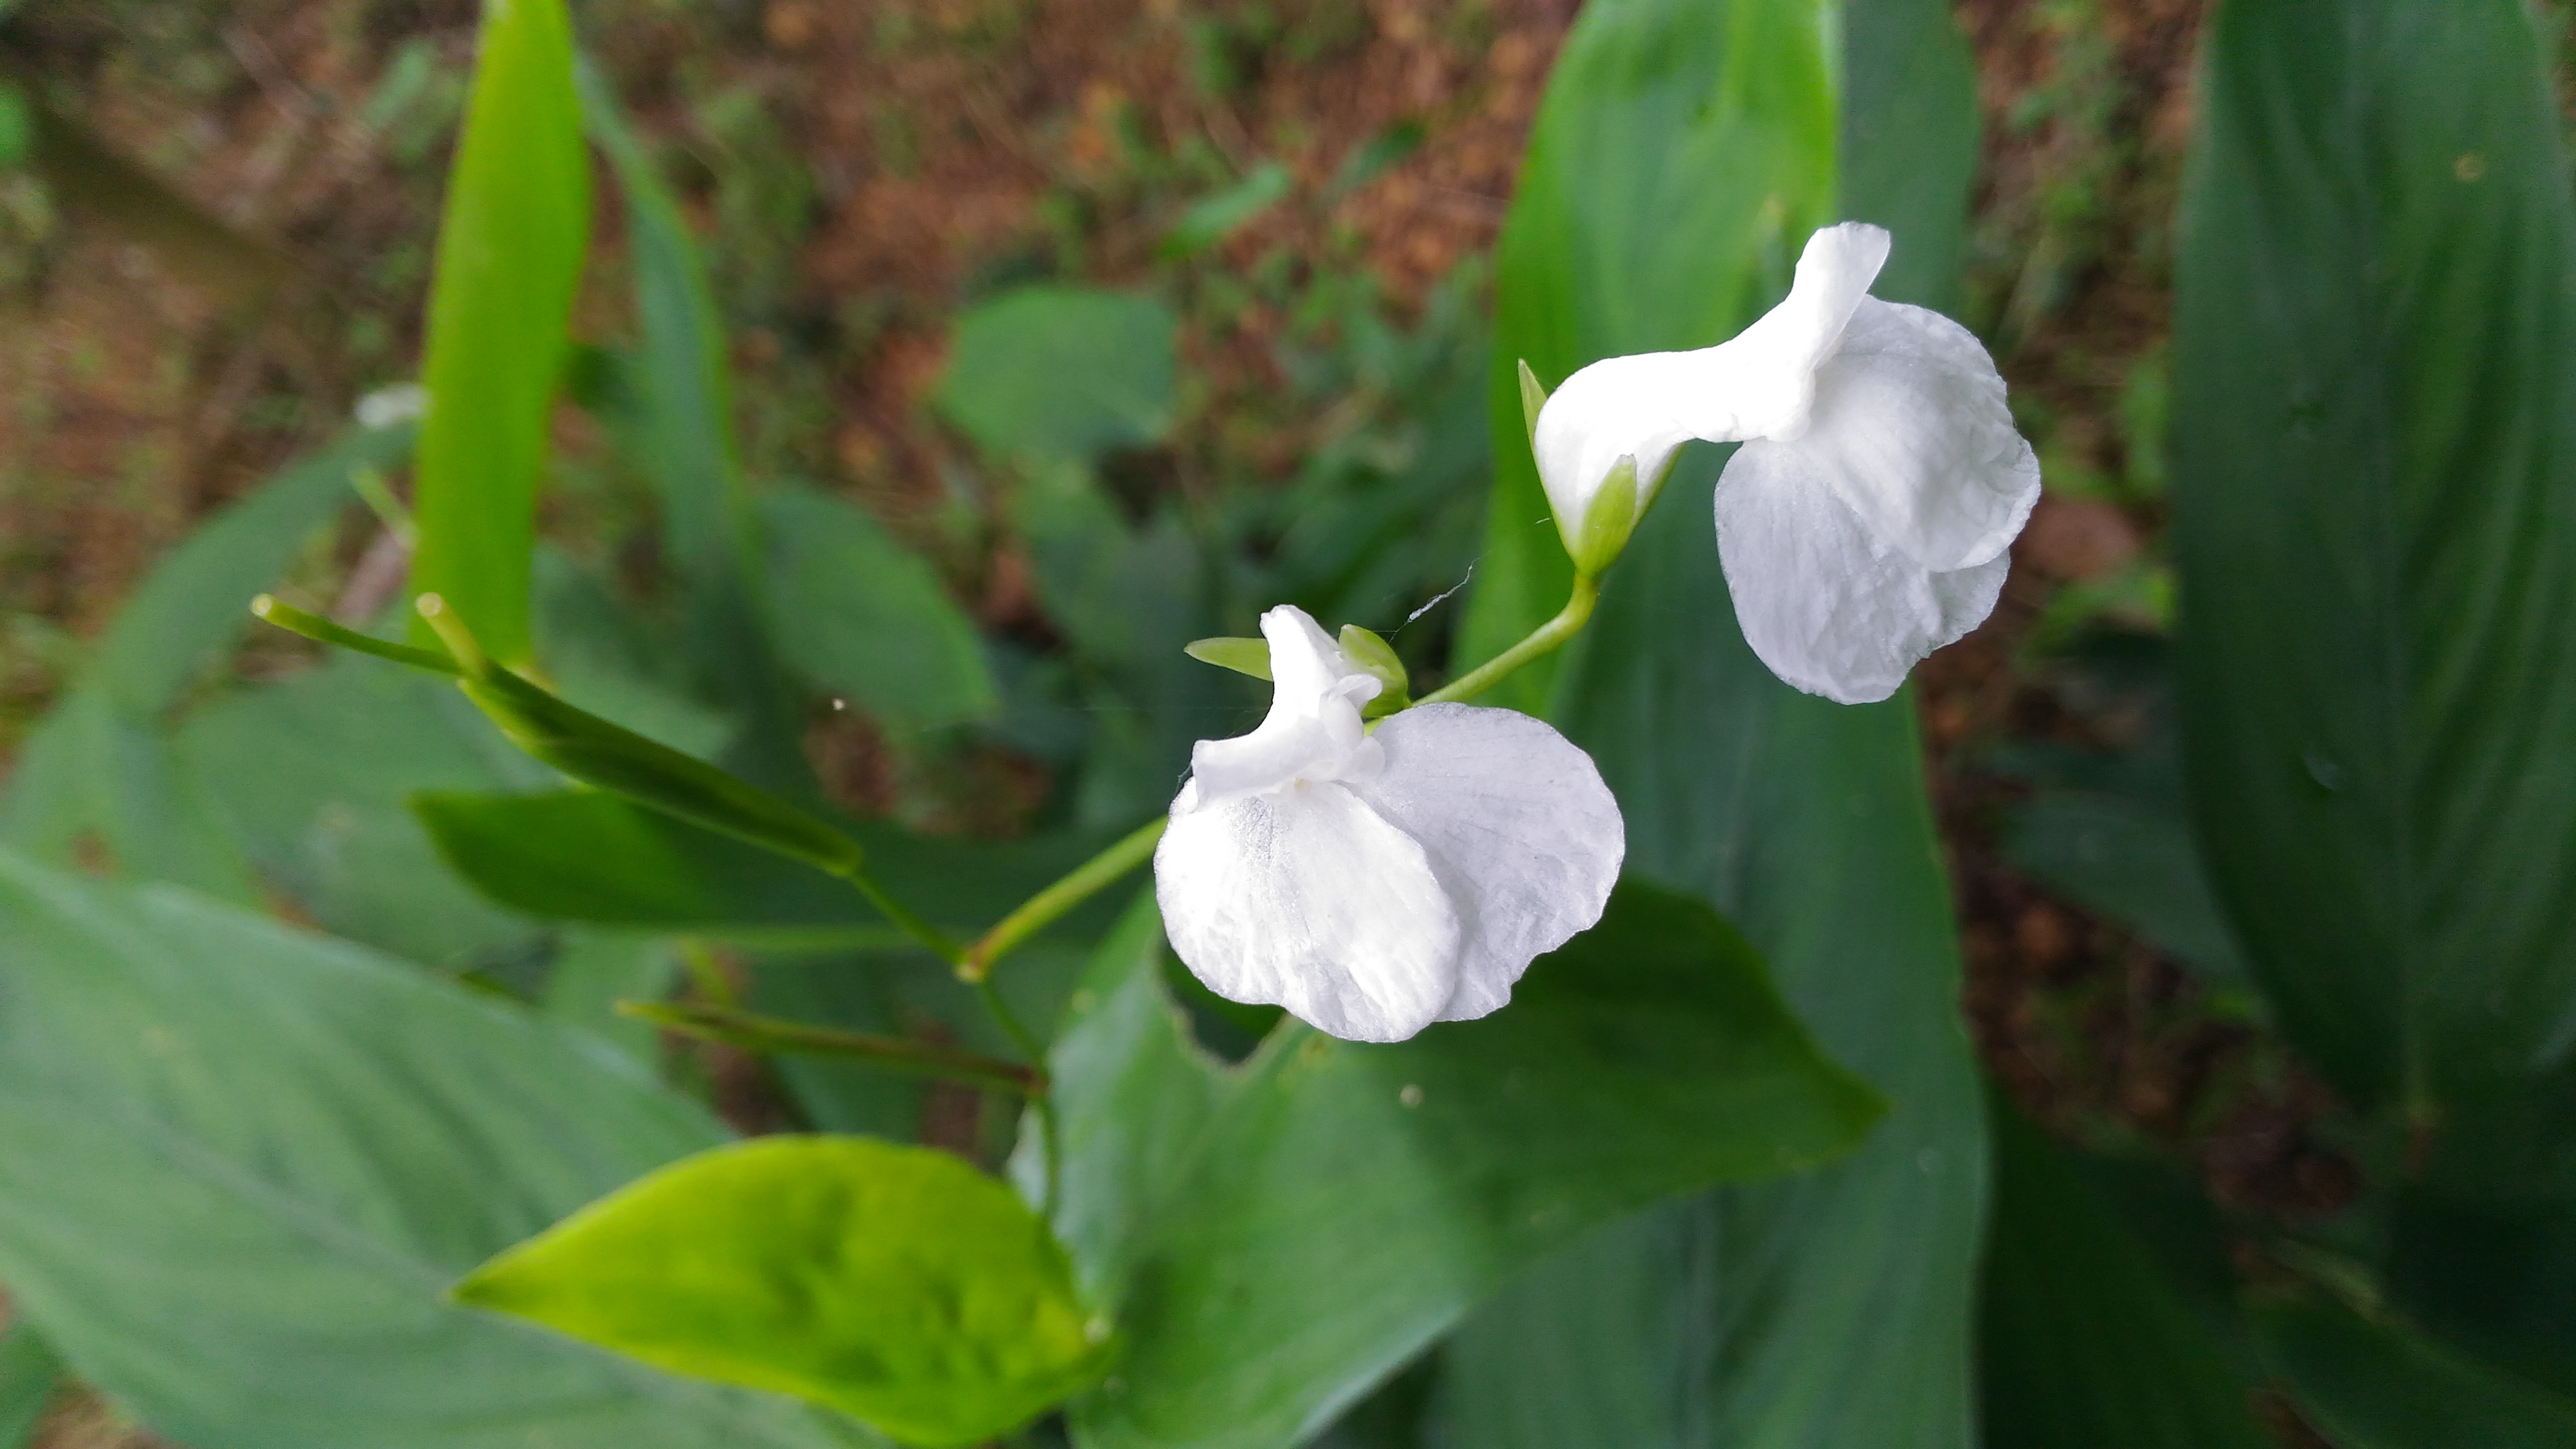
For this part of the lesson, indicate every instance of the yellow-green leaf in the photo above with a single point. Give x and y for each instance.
(894, 1283)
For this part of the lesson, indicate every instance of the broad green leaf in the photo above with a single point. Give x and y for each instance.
(194, 604)
(1280, 1236)
(895, 1283)
(2132, 863)
(29, 1374)
(582, 855)
(2379, 1385)
(1679, 162)
(595, 971)
(99, 766)
(860, 615)
(683, 438)
(510, 251)
(1061, 373)
(329, 834)
(2082, 1344)
(601, 654)
(2375, 515)
(239, 1164)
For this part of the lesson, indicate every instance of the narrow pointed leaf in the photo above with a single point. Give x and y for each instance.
(510, 249)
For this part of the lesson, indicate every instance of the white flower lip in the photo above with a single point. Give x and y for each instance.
(1866, 519)
(1374, 884)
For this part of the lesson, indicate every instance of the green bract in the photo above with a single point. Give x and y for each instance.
(894, 1283)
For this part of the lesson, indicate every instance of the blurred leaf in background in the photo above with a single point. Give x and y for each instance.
(1677, 167)
(2375, 474)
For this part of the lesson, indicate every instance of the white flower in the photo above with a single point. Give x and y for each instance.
(389, 407)
(1375, 883)
(1865, 521)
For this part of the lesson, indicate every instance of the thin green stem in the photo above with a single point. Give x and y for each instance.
(932, 939)
(893, 1053)
(1047, 906)
(1041, 1102)
(293, 620)
(1569, 621)
(706, 973)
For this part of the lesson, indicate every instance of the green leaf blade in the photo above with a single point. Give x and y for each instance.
(342, 1135)
(1281, 1236)
(894, 1283)
(510, 252)
(1062, 374)
(2375, 442)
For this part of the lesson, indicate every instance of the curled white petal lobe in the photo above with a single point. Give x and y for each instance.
(1517, 827)
(1307, 898)
(1911, 431)
(1313, 730)
(1827, 606)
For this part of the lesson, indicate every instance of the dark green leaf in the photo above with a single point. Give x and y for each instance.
(2373, 1385)
(1678, 164)
(510, 250)
(2375, 507)
(2081, 1342)
(895, 1283)
(595, 971)
(29, 1374)
(1280, 1236)
(239, 1164)
(2131, 863)
(862, 616)
(582, 855)
(1061, 373)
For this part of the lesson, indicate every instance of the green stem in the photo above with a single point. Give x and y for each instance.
(932, 939)
(313, 626)
(897, 1054)
(1569, 621)
(1041, 1101)
(1047, 906)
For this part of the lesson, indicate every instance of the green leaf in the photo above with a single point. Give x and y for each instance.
(29, 1374)
(1061, 373)
(582, 855)
(330, 836)
(2375, 442)
(598, 969)
(1280, 1236)
(239, 1164)
(859, 614)
(1678, 163)
(510, 251)
(2131, 863)
(2082, 1344)
(682, 436)
(895, 1283)
(1217, 217)
(190, 609)
(2378, 1385)
(100, 765)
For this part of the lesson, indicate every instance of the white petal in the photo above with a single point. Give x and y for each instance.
(1910, 430)
(1313, 730)
(1519, 830)
(1306, 899)
(1829, 609)
(1759, 384)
